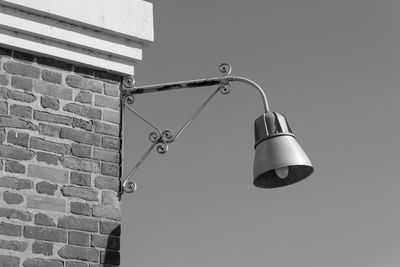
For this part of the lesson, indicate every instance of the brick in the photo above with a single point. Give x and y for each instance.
(84, 97)
(106, 212)
(51, 76)
(79, 253)
(45, 233)
(23, 56)
(107, 77)
(14, 167)
(85, 84)
(22, 83)
(9, 261)
(109, 257)
(43, 219)
(86, 72)
(10, 229)
(111, 143)
(38, 262)
(50, 130)
(81, 150)
(50, 117)
(50, 89)
(12, 198)
(16, 95)
(21, 215)
(80, 178)
(46, 188)
(111, 89)
(17, 153)
(76, 264)
(80, 192)
(41, 144)
(80, 136)
(47, 158)
(84, 111)
(110, 198)
(41, 247)
(110, 169)
(78, 223)
(80, 164)
(18, 138)
(2, 134)
(103, 182)
(15, 183)
(78, 238)
(49, 102)
(22, 69)
(12, 122)
(106, 155)
(104, 241)
(4, 80)
(46, 203)
(3, 107)
(106, 128)
(112, 116)
(57, 176)
(80, 208)
(107, 102)
(51, 62)
(13, 245)
(84, 125)
(110, 228)
(21, 111)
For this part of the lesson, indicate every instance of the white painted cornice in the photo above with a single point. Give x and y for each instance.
(104, 34)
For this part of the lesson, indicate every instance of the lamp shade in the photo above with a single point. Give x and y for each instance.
(279, 160)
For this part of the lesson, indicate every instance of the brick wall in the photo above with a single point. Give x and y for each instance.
(59, 164)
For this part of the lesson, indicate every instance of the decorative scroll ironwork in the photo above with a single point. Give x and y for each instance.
(160, 139)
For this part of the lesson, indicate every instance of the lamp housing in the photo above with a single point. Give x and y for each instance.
(279, 159)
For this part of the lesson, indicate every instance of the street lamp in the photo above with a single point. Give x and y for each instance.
(279, 160)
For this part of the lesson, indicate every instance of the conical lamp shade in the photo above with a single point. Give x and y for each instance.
(279, 159)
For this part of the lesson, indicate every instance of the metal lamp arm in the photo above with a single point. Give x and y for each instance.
(161, 139)
(197, 83)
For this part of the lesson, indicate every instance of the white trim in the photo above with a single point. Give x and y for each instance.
(60, 51)
(69, 34)
(131, 18)
(104, 36)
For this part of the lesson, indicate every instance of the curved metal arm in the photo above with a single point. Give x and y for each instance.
(197, 83)
(255, 85)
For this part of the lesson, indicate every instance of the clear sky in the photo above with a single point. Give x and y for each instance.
(333, 68)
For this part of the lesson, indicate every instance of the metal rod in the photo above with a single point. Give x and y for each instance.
(178, 85)
(195, 115)
(197, 83)
(255, 85)
(143, 118)
(138, 164)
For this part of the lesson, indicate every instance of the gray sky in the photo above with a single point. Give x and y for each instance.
(333, 68)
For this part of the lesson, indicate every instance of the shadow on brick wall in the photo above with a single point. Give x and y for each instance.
(112, 254)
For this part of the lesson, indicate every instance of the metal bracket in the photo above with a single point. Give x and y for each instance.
(161, 138)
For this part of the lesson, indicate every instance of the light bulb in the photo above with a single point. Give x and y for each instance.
(282, 172)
